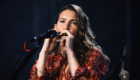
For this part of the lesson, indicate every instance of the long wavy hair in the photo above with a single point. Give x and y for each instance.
(85, 39)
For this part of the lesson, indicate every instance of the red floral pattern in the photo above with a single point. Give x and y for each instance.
(95, 68)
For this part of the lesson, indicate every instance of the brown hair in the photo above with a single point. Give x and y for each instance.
(85, 38)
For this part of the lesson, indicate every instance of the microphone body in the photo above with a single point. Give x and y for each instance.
(49, 34)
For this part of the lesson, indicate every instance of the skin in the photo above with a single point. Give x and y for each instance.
(66, 23)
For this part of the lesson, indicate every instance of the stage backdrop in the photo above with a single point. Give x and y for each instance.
(20, 20)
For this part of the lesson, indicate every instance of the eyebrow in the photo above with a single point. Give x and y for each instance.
(65, 19)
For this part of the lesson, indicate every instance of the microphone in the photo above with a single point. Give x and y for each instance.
(49, 34)
(20, 67)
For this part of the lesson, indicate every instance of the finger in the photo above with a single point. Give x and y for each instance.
(63, 40)
(46, 44)
(52, 44)
(63, 49)
(46, 41)
(67, 32)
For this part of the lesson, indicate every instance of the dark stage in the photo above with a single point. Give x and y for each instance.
(110, 21)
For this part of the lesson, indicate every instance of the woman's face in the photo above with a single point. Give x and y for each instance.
(67, 21)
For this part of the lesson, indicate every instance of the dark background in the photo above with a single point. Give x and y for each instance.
(110, 20)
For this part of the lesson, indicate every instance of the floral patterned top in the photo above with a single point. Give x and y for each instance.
(94, 68)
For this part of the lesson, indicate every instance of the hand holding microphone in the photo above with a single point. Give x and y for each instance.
(50, 38)
(50, 34)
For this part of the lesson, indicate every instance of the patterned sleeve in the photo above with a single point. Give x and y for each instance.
(33, 73)
(95, 67)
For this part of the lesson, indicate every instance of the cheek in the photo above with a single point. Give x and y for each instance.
(58, 28)
(74, 31)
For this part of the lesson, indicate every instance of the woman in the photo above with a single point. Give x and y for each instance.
(77, 56)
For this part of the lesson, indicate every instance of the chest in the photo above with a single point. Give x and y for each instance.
(61, 73)
(58, 69)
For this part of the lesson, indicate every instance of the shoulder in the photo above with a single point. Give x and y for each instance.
(96, 53)
(97, 49)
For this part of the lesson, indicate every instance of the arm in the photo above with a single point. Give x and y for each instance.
(95, 68)
(39, 70)
(41, 63)
(73, 63)
(33, 73)
(67, 48)
(42, 58)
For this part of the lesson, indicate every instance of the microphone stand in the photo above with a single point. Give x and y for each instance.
(123, 59)
(19, 68)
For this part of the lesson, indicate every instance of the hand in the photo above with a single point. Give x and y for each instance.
(48, 45)
(68, 48)
(67, 41)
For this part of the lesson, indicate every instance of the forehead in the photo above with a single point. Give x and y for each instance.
(68, 14)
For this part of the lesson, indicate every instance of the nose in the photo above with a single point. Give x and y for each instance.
(67, 25)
